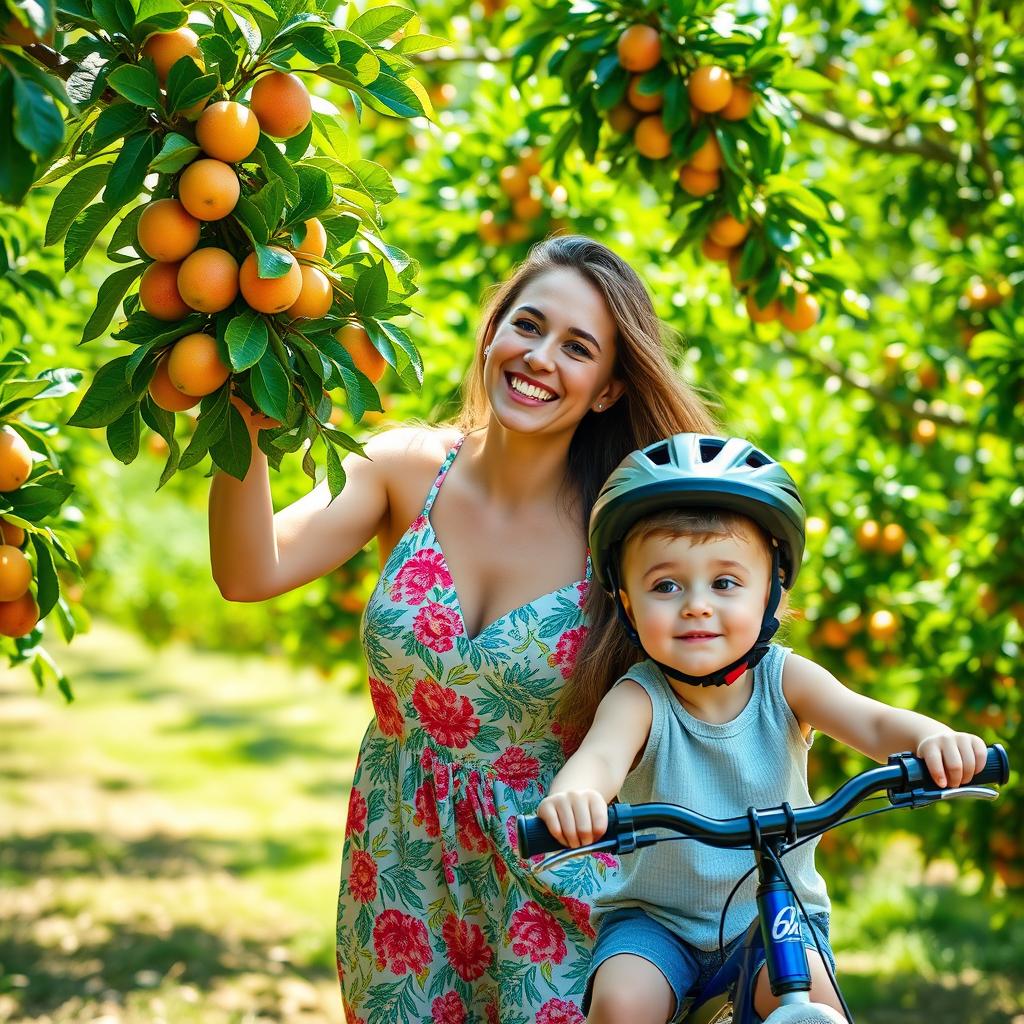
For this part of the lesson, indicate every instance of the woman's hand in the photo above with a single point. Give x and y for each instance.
(953, 758)
(576, 817)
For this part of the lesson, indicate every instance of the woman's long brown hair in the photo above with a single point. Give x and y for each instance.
(656, 403)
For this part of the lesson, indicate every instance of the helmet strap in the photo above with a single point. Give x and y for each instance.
(729, 673)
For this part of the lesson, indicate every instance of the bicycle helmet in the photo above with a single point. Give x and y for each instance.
(701, 471)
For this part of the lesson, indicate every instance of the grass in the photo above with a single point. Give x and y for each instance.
(171, 844)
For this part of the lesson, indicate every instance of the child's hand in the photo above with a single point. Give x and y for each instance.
(576, 817)
(953, 757)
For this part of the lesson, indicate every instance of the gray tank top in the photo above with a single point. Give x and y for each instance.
(758, 759)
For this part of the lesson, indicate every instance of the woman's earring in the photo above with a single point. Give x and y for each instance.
(600, 406)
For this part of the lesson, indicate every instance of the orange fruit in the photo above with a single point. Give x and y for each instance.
(924, 431)
(167, 48)
(699, 183)
(644, 102)
(281, 103)
(708, 157)
(529, 160)
(208, 189)
(270, 294)
(832, 634)
(883, 624)
(868, 535)
(527, 207)
(314, 242)
(763, 314)
(516, 231)
(803, 315)
(651, 139)
(165, 394)
(514, 181)
(728, 231)
(713, 251)
(167, 231)
(357, 343)
(18, 617)
(710, 88)
(622, 117)
(195, 366)
(208, 279)
(227, 131)
(639, 48)
(740, 104)
(15, 459)
(316, 296)
(892, 538)
(489, 230)
(15, 573)
(158, 292)
(21, 35)
(11, 534)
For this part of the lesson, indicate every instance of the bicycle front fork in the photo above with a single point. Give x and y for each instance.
(788, 970)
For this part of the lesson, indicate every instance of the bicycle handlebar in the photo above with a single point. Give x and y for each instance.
(905, 777)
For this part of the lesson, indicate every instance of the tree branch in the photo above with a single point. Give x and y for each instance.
(874, 138)
(917, 407)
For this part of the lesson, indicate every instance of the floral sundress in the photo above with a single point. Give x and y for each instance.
(439, 919)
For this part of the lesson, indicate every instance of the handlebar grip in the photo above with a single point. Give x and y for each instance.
(997, 767)
(534, 837)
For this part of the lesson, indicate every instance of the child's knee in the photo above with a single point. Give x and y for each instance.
(630, 990)
(821, 987)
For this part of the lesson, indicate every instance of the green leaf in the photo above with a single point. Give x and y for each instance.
(316, 193)
(117, 121)
(801, 80)
(129, 171)
(83, 232)
(273, 262)
(125, 236)
(232, 452)
(380, 22)
(371, 291)
(210, 427)
(38, 123)
(374, 180)
(389, 95)
(277, 165)
(335, 472)
(107, 397)
(158, 16)
(271, 386)
(247, 213)
(247, 339)
(270, 201)
(72, 199)
(48, 587)
(34, 501)
(315, 43)
(187, 85)
(123, 435)
(111, 292)
(176, 152)
(219, 56)
(137, 83)
(419, 44)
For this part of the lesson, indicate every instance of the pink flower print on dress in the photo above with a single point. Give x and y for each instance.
(419, 575)
(355, 821)
(400, 942)
(467, 829)
(535, 933)
(385, 705)
(426, 810)
(466, 948)
(517, 769)
(559, 1011)
(580, 914)
(445, 714)
(435, 626)
(567, 649)
(362, 879)
(448, 1009)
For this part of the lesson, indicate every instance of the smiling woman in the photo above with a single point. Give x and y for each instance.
(481, 609)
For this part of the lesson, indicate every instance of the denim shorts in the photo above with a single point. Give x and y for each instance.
(686, 968)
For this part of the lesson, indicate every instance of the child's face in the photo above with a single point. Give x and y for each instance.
(696, 603)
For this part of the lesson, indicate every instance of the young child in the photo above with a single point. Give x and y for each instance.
(697, 538)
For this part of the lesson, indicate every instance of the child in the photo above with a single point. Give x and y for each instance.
(696, 538)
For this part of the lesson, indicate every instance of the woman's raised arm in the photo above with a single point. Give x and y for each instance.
(256, 555)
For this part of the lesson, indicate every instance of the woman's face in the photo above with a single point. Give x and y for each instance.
(552, 355)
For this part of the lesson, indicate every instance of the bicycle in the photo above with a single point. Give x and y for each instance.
(775, 935)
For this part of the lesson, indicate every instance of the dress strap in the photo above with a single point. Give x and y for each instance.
(441, 474)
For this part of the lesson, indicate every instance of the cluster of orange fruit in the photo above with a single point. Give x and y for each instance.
(185, 278)
(19, 612)
(712, 90)
(981, 295)
(524, 188)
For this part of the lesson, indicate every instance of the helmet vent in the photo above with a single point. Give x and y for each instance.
(709, 448)
(659, 454)
(756, 459)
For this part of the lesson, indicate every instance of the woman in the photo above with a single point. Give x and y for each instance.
(438, 919)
